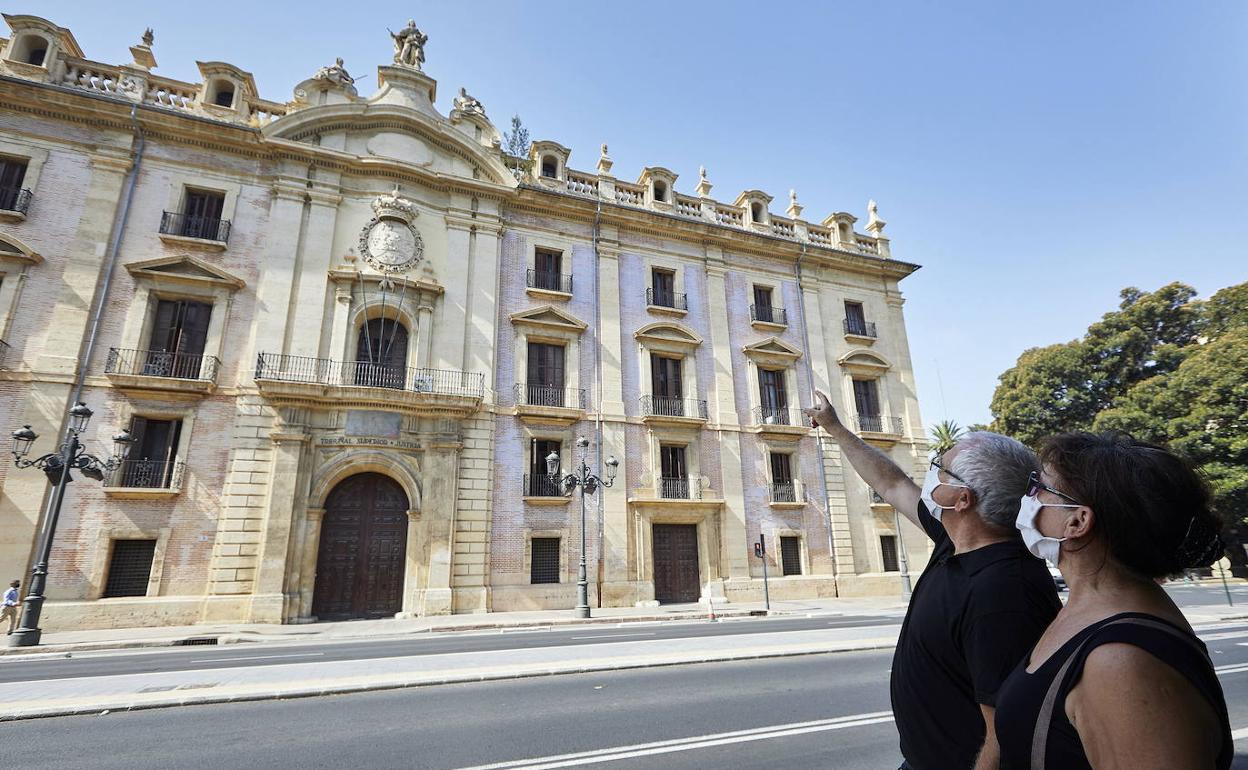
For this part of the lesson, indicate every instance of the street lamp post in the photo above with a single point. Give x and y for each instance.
(588, 484)
(56, 466)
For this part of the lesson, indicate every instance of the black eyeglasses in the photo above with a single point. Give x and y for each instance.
(936, 464)
(1034, 485)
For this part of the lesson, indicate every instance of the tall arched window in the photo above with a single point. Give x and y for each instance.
(381, 354)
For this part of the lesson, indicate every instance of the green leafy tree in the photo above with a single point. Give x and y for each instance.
(1162, 367)
(944, 435)
(1063, 387)
(516, 141)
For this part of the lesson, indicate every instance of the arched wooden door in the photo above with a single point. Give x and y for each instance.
(360, 561)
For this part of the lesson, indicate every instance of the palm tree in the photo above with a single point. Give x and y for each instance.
(944, 435)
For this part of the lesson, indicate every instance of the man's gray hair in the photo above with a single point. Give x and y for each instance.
(995, 467)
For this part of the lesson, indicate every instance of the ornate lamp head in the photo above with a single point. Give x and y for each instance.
(22, 439)
(79, 417)
(613, 467)
(121, 445)
(552, 464)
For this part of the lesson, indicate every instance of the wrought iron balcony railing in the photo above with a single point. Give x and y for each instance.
(785, 492)
(874, 423)
(545, 395)
(877, 498)
(15, 199)
(541, 485)
(323, 371)
(204, 228)
(5, 351)
(660, 406)
(161, 363)
(680, 488)
(769, 314)
(859, 328)
(542, 279)
(148, 474)
(667, 299)
(779, 415)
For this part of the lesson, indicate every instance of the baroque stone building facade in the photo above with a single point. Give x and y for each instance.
(348, 332)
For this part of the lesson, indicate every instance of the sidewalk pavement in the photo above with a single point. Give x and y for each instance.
(93, 695)
(1214, 610)
(169, 636)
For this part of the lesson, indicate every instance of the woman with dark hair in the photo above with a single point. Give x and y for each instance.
(1119, 679)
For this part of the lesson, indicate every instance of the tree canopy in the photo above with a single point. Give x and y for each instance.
(1164, 367)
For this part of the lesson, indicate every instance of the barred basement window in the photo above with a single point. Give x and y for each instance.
(129, 568)
(791, 555)
(888, 549)
(544, 564)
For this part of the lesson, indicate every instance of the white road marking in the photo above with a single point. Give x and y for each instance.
(1240, 734)
(1234, 668)
(1223, 636)
(260, 657)
(687, 744)
(612, 636)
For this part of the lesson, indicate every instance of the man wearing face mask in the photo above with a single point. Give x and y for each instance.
(982, 602)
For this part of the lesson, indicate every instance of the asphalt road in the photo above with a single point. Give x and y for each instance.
(20, 668)
(815, 711)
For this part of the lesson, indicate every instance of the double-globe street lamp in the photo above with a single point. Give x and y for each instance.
(56, 465)
(588, 484)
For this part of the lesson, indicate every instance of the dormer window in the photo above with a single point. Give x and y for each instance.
(757, 214)
(30, 49)
(222, 93)
(660, 191)
(550, 167)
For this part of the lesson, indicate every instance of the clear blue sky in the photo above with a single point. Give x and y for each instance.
(1035, 158)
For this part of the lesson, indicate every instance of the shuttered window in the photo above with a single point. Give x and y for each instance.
(791, 555)
(888, 549)
(129, 568)
(544, 564)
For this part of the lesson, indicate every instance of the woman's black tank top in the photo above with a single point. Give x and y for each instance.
(1022, 694)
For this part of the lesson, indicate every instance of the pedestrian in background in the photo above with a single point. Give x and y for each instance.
(1119, 679)
(981, 603)
(9, 610)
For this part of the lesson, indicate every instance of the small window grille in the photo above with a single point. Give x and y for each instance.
(888, 549)
(791, 555)
(130, 568)
(544, 564)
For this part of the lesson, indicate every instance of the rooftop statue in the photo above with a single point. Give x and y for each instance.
(409, 45)
(466, 102)
(335, 73)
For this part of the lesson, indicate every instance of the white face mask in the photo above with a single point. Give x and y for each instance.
(1041, 546)
(930, 482)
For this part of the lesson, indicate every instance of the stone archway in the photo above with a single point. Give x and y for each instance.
(361, 558)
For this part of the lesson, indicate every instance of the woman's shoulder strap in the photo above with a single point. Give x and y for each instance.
(1040, 738)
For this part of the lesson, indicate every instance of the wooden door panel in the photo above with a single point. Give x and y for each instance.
(362, 554)
(676, 563)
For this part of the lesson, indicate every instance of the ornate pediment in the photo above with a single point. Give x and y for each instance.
(772, 349)
(549, 318)
(668, 333)
(864, 361)
(184, 270)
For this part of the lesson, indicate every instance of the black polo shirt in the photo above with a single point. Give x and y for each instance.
(972, 618)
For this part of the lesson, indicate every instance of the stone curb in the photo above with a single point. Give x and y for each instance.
(372, 683)
(237, 637)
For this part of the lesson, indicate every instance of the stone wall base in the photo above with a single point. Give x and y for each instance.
(137, 612)
(793, 587)
(873, 584)
(549, 596)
